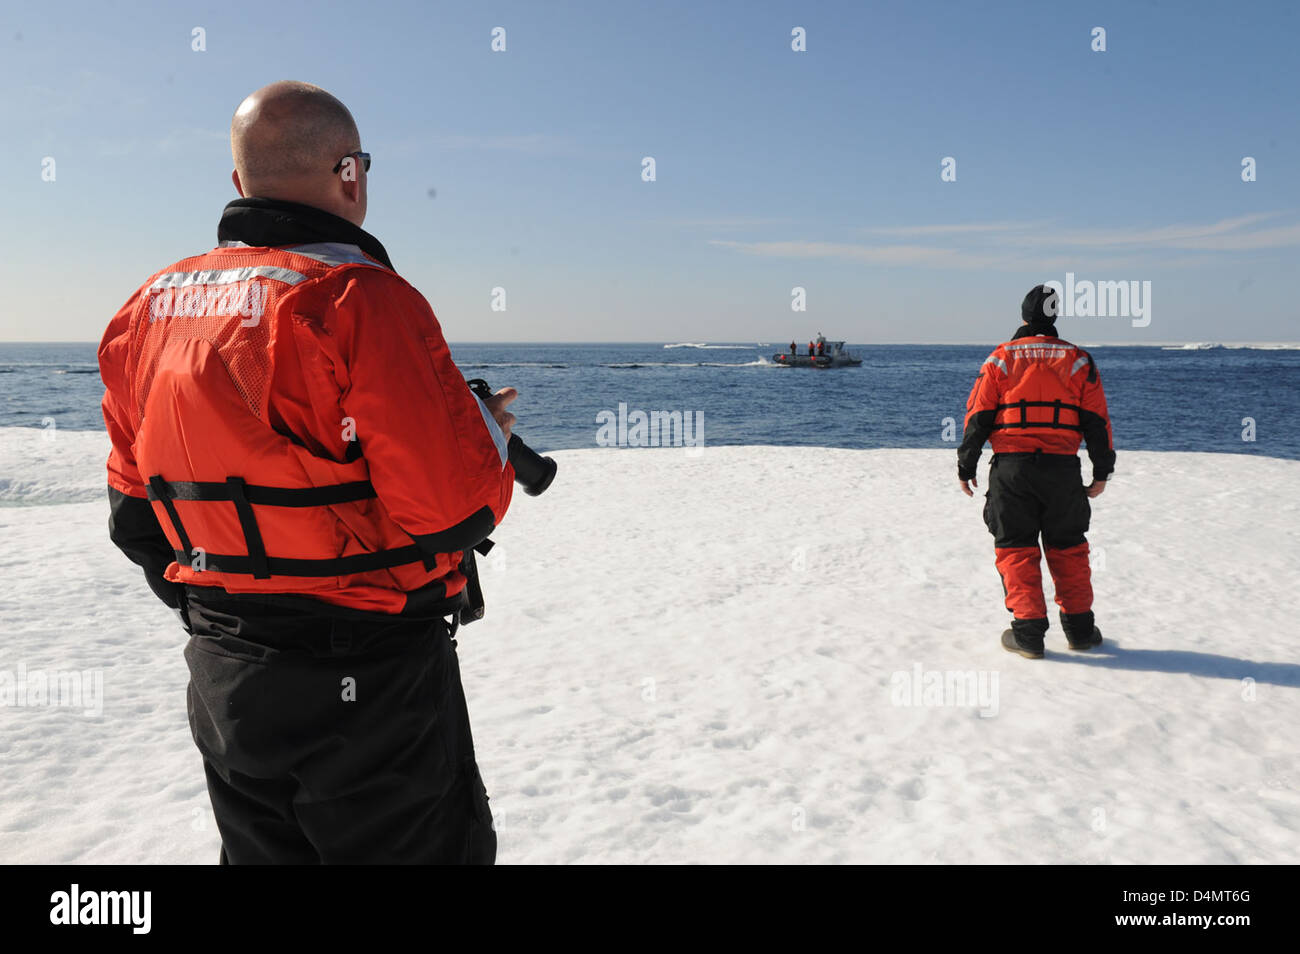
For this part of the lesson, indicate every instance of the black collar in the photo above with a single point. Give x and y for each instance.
(273, 222)
(1028, 331)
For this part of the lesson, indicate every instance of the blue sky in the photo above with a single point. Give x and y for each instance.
(775, 169)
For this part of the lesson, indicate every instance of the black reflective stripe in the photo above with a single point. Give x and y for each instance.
(469, 533)
(257, 563)
(266, 496)
(335, 566)
(248, 523)
(1047, 424)
(1024, 404)
(158, 490)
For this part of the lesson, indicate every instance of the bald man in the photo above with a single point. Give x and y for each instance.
(302, 473)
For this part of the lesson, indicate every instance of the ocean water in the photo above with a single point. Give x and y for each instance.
(1191, 398)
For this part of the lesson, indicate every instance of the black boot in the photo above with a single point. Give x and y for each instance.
(1025, 637)
(1081, 631)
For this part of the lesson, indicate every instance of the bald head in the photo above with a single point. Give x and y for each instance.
(286, 139)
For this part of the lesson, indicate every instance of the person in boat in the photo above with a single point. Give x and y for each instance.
(812, 349)
(1035, 397)
(821, 348)
(794, 349)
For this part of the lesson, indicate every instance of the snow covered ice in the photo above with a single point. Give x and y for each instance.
(714, 657)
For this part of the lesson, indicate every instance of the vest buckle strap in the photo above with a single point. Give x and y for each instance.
(257, 563)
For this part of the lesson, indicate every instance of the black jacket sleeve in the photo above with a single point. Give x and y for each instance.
(134, 529)
(1097, 435)
(978, 429)
(1094, 421)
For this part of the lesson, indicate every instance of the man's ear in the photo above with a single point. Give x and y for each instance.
(351, 188)
(234, 177)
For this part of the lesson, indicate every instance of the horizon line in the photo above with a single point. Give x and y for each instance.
(742, 344)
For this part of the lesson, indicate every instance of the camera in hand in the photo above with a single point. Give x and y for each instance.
(533, 472)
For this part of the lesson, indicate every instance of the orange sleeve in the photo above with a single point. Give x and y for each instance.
(437, 461)
(114, 370)
(981, 411)
(986, 393)
(132, 525)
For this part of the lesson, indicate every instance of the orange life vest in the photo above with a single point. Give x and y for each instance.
(1039, 388)
(296, 420)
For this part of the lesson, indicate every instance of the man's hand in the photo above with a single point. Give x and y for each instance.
(497, 404)
(966, 486)
(1095, 488)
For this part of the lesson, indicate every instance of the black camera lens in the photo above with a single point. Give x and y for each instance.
(533, 472)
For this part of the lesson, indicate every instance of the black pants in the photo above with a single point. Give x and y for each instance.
(1033, 495)
(347, 746)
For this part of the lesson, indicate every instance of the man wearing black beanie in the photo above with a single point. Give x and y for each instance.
(1035, 397)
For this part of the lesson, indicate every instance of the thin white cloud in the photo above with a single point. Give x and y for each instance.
(732, 222)
(1008, 245)
(868, 254)
(1221, 234)
(915, 255)
(956, 229)
(1281, 237)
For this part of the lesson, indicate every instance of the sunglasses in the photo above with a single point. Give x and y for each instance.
(363, 156)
